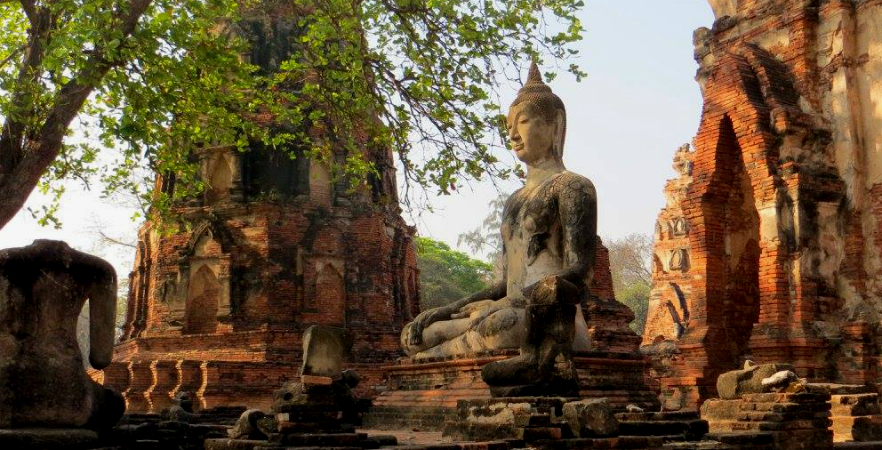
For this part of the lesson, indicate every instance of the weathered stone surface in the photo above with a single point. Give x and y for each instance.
(734, 384)
(247, 426)
(324, 350)
(716, 410)
(861, 428)
(855, 405)
(47, 439)
(787, 421)
(591, 418)
(43, 287)
(507, 418)
(233, 444)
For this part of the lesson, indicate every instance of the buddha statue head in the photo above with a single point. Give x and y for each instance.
(537, 121)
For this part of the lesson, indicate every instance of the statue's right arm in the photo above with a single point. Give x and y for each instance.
(494, 292)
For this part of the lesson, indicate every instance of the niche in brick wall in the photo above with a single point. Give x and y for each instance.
(207, 277)
(736, 245)
(220, 179)
(320, 186)
(202, 302)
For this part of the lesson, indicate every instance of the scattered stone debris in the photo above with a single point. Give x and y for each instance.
(591, 418)
(633, 409)
(734, 384)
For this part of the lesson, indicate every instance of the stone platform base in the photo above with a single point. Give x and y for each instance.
(424, 394)
(798, 421)
(337, 441)
(528, 419)
(47, 438)
(538, 422)
(674, 426)
(876, 445)
(150, 386)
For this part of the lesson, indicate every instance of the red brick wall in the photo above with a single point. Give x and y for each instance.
(763, 280)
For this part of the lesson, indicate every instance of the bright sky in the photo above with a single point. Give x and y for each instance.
(638, 104)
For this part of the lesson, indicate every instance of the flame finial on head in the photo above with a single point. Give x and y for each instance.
(534, 84)
(535, 76)
(539, 94)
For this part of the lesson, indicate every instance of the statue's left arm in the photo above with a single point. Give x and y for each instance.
(577, 206)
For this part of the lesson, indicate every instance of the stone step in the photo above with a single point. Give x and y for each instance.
(874, 445)
(669, 415)
(316, 440)
(837, 389)
(692, 429)
(714, 445)
(622, 442)
(861, 428)
(742, 438)
(855, 404)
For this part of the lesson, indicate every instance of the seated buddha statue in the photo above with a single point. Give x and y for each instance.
(549, 238)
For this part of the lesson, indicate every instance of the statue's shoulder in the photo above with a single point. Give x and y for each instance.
(572, 184)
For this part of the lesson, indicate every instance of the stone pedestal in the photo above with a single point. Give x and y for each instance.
(855, 413)
(424, 394)
(788, 421)
(513, 418)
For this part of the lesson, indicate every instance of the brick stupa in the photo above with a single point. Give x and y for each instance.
(273, 246)
(770, 246)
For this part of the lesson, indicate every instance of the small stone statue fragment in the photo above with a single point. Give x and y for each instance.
(732, 385)
(780, 380)
(182, 410)
(247, 426)
(43, 383)
(591, 418)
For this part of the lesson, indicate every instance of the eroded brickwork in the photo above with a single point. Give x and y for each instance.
(778, 252)
(273, 246)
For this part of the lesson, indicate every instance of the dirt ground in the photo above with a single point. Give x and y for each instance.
(406, 437)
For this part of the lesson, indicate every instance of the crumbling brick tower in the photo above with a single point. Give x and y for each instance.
(274, 246)
(771, 244)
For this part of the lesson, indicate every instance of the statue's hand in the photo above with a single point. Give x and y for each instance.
(426, 318)
(467, 310)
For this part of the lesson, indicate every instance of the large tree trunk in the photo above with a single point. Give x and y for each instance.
(27, 150)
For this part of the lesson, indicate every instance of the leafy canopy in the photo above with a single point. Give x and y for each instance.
(419, 77)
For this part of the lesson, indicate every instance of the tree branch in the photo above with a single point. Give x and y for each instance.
(12, 55)
(39, 152)
(30, 9)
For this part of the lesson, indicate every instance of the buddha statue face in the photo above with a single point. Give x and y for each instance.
(532, 137)
(536, 122)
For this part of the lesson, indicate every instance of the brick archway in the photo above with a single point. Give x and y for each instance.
(739, 260)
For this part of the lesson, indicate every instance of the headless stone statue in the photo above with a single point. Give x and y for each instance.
(43, 383)
(549, 237)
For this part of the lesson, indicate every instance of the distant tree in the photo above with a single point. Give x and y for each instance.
(486, 239)
(447, 275)
(629, 260)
